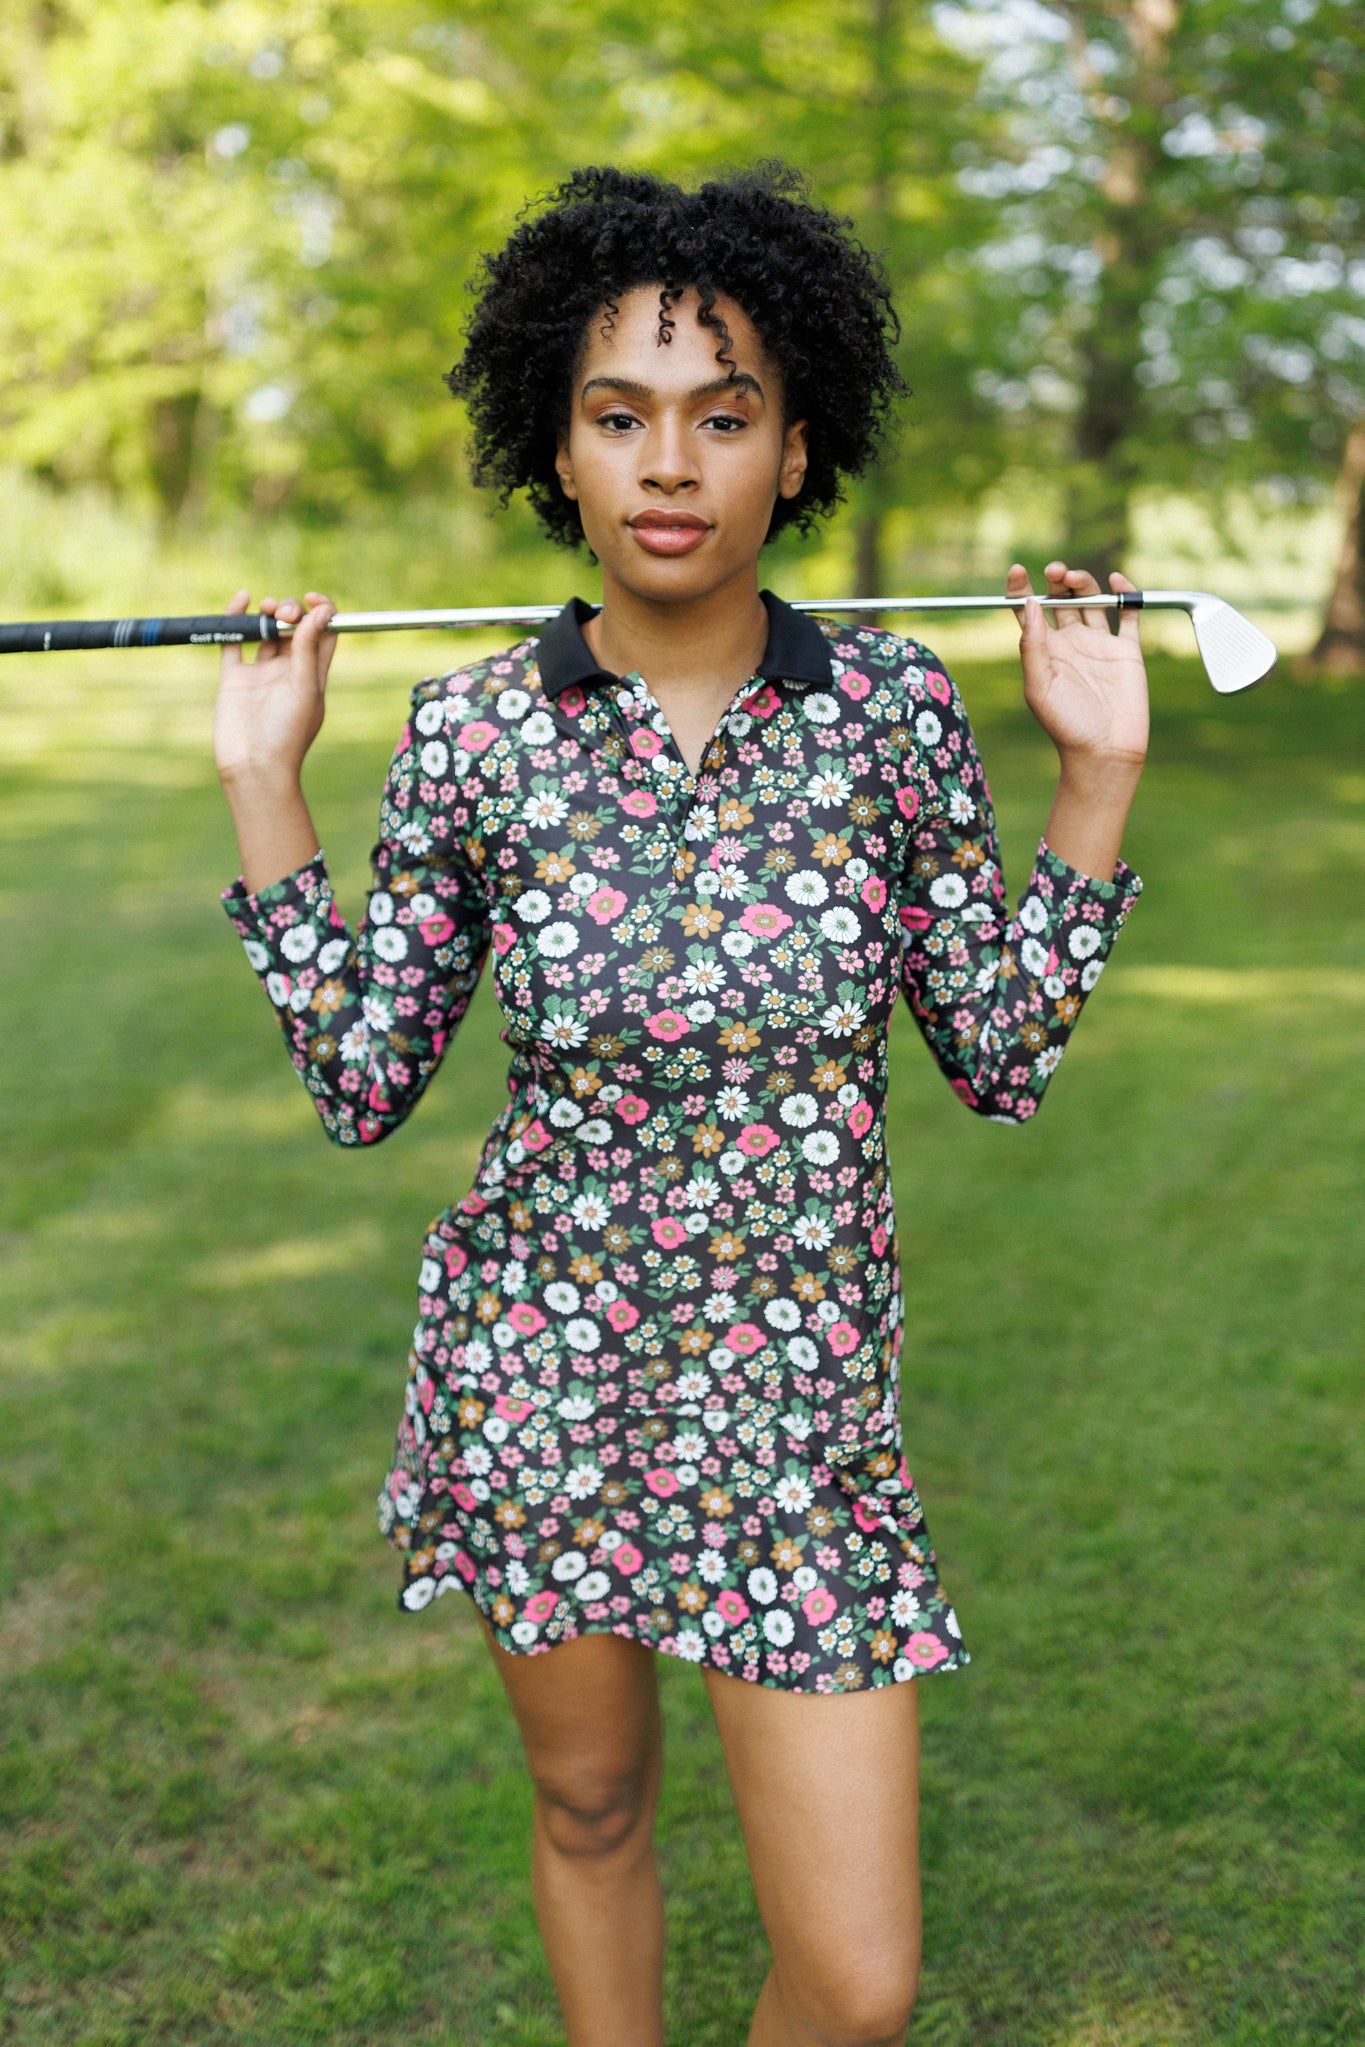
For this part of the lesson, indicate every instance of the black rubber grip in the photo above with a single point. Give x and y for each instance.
(1130, 600)
(66, 635)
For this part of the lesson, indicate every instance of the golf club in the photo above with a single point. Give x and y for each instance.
(1235, 653)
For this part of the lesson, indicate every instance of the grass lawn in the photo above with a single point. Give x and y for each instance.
(246, 1801)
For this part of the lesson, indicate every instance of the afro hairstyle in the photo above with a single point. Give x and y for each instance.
(819, 300)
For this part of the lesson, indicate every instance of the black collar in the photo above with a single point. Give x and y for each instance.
(797, 650)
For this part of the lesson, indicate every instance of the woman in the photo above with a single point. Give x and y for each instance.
(653, 1392)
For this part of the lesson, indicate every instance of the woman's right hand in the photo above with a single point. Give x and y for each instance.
(269, 711)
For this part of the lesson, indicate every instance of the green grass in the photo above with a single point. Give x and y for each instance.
(245, 1801)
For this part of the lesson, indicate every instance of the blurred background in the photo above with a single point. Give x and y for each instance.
(244, 1800)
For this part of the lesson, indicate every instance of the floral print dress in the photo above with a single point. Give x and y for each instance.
(654, 1382)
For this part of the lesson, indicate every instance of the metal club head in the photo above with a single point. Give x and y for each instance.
(1235, 652)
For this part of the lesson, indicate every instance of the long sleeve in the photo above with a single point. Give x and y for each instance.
(995, 996)
(368, 1017)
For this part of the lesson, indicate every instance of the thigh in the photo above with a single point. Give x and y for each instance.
(827, 1787)
(588, 1712)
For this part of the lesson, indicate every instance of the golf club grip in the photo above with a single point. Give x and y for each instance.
(64, 635)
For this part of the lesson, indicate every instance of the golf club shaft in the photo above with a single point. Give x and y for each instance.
(238, 628)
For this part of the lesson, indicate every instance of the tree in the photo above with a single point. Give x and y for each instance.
(1182, 224)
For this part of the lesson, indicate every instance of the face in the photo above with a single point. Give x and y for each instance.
(674, 465)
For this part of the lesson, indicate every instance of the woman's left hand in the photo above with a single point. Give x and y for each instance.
(1086, 686)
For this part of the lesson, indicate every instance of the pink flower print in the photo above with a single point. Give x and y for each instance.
(880, 1240)
(668, 1232)
(473, 1203)
(669, 1024)
(764, 920)
(860, 1119)
(436, 929)
(606, 905)
(925, 1650)
(511, 1407)
(843, 1338)
(904, 1476)
(915, 919)
(622, 1316)
(477, 736)
(908, 801)
(644, 744)
(756, 1140)
(456, 1260)
(745, 1337)
(627, 1559)
(525, 1319)
(462, 1496)
(504, 938)
(873, 892)
(631, 1109)
(464, 1564)
(819, 1606)
(535, 1136)
(866, 1516)
(661, 1481)
(639, 803)
(854, 685)
(939, 687)
(964, 1092)
(763, 702)
(541, 1605)
(572, 700)
(427, 1396)
(732, 1606)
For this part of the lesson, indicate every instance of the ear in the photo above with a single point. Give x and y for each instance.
(795, 456)
(564, 468)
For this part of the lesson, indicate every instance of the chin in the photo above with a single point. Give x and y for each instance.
(671, 580)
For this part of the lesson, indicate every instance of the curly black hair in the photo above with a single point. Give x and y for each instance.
(819, 300)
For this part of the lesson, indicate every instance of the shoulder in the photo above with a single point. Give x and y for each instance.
(888, 678)
(478, 689)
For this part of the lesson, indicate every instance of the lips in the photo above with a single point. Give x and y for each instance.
(669, 532)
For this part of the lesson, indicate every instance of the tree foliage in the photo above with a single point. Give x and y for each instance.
(1127, 237)
(1181, 235)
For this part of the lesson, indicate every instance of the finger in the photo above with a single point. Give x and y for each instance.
(1033, 627)
(1017, 584)
(1080, 583)
(1130, 627)
(232, 655)
(313, 642)
(1058, 585)
(327, 642)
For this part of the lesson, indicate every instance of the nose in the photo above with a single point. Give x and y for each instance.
(668, 460)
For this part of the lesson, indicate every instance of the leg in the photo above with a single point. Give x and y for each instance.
(828, 1794)
(589, 1718)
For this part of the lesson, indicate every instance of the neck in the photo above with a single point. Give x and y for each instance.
(698, 644)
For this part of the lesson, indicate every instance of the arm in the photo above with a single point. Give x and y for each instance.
(267, 715)
(367, 1019)
(997, 996)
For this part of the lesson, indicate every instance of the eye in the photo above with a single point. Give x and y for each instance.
(617, 421)
(727, 422)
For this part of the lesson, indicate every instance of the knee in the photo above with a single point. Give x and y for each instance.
(593, 1815)
(869, 2008)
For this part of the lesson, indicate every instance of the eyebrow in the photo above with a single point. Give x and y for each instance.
(740, 382)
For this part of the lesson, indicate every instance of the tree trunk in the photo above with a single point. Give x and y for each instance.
(1128, 243)
(867, 559)
(170, 450)
(1341, 644)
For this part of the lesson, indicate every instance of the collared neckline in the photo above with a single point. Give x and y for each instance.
(797, 650)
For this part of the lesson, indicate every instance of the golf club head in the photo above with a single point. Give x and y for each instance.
(1235, 652)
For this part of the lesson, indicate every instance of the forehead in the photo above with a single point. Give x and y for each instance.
(627, 343)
